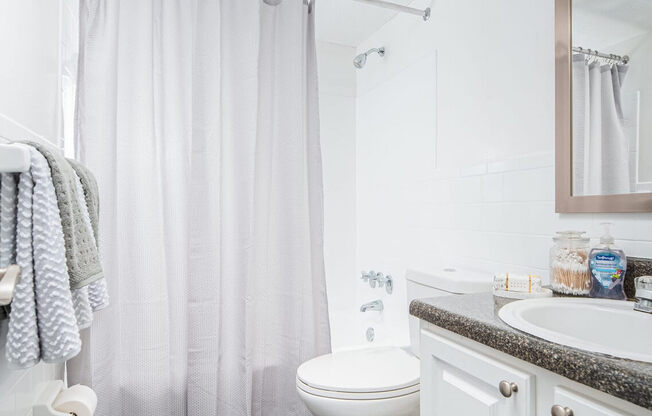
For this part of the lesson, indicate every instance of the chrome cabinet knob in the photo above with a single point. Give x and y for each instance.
(506, 388)
(558, 410)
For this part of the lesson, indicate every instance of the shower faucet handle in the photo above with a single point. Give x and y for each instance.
(378, 279)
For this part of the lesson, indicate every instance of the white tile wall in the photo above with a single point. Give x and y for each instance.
(337, 118)
(486, 121)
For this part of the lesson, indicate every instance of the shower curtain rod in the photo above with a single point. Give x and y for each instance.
(621, 59)
(425, 14)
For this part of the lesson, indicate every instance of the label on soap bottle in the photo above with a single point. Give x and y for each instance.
(607, 268)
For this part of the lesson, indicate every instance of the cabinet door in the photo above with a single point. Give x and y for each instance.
(458, 381)
(583, 406)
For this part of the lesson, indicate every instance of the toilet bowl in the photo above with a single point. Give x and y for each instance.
(381, 381)
(370, 381)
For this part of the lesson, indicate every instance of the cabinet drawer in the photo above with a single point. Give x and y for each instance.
(456, 380)
(583, 406)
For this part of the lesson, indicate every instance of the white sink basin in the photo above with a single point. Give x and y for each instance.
(604, 326)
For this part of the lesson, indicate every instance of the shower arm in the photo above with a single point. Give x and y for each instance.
(380, 51)
(425, 14)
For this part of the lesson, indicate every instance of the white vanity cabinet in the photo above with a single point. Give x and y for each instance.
(461, 377)
(580, 405)
(456, 380)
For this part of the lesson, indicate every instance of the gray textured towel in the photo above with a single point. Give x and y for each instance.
(82, 256)
(91, 193)
(98, 294)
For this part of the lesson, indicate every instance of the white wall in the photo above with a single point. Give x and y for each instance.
(29, 108)
(337, 117)
(29, 75)
(476, 83)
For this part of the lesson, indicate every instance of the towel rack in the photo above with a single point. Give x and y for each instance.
(14, 158)
(9, 278)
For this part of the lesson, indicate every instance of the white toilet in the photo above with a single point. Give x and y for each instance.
(382, 381)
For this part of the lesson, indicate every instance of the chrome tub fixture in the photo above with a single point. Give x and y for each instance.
(374, 305)
(378, 279)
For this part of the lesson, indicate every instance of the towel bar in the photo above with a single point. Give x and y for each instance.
(9, 278)
(14, 158)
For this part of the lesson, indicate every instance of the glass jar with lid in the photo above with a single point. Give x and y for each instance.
(569, 263)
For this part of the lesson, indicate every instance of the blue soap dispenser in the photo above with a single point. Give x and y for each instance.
(608, 265)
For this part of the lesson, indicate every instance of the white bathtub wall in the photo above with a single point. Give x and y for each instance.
(337, 116)
(30, 37)
(455, 141)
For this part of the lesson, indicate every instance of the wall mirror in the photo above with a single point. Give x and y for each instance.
(603, 54)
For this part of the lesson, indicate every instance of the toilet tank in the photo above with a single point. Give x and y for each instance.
(441, 281)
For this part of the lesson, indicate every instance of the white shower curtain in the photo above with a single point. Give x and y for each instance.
(600, 146)
(200, 121)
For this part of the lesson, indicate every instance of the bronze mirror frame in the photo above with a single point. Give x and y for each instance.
(565, 202)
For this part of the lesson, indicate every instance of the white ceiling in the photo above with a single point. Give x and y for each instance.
(348, 22)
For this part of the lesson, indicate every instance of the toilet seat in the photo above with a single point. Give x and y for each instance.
(365, 374)
(357, 396)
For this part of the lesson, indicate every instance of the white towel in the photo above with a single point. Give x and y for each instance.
(82, 306)
(23, 348)
(98, 294)
(58, 331)
(8, 197)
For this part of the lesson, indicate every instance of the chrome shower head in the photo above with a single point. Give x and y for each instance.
(360, 60)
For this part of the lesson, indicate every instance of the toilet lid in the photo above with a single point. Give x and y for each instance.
(361, 371)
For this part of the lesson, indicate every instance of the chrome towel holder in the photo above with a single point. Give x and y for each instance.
(9, 278)
(14, 158)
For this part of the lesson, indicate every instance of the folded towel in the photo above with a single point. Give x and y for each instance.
(515, 282)
(8, 202)
(91, 193)
(81, 251)
(7, 229)
(58, 331)
(95, 296)
(23, 348)
(7, 226)
(82, 307)
(98, 294)
(4, 310)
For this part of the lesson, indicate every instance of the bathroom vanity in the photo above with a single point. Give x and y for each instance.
(472, 363)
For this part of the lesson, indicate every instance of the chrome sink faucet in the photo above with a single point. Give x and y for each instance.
(643, 294)
(374, 305)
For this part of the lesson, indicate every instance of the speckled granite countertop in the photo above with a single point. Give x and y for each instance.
(475, 316)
